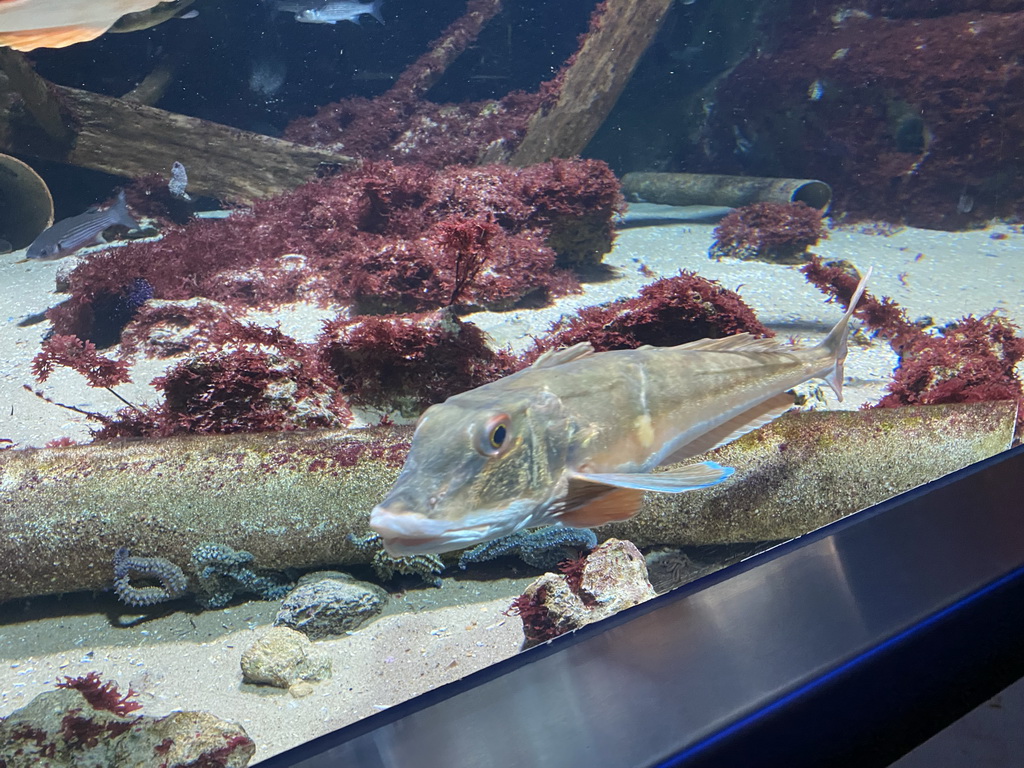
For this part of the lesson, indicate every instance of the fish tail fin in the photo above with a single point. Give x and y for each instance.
(120, 213)
(375, 10)
(835, 343)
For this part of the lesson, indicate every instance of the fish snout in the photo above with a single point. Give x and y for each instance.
(405, 531)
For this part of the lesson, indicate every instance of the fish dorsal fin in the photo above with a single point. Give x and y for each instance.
(736, 427)
(588, 505)
(554, 357)
(53, 37)
(676, 481)
(739, 342)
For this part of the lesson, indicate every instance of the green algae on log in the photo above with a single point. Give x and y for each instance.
(292, 498)
(289, 498)
(808, 469)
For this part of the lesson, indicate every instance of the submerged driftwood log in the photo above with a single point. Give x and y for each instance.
(594, 81)
(292, 498)
(125, 138)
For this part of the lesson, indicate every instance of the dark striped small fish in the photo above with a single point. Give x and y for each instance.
(68, 235)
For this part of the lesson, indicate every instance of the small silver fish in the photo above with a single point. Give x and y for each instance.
(68, 235)
(334, 11)
(573, 440)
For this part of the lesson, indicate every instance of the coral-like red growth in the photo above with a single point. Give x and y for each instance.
(219, 757)
(911, 120)
(81, 356)
(386, 128)
(373, 237)
(267, 381)
(573, 570)
(463, 242)
(970, 360)
(883, 316)
(670, 311)
(778, 232)
(407, 362)
(102, 695)
(537, 621)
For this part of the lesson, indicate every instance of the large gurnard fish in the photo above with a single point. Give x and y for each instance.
(575, 438)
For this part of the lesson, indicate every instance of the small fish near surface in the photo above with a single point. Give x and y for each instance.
(574, 439)
(29, 24)
(68, 235)
(332, 12)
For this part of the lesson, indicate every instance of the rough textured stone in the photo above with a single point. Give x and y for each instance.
(185, 739)
(60, 729)
(283, 657)
(612, 577)
(330, 604)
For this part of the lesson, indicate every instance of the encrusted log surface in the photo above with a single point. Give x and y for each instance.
(806, 470)
(289, 498)
(429, 68)
(292, 498)
(132, 140)
(38, 96)
(594, 81)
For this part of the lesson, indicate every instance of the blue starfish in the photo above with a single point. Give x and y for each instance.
(544, 548)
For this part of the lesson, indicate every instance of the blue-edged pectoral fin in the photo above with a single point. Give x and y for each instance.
(595, 499)
(674, 481)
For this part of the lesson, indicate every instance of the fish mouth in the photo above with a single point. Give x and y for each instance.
(413, 533)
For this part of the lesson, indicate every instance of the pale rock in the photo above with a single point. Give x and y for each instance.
(283, 657)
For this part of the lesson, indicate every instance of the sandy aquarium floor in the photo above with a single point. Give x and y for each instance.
(186, 659)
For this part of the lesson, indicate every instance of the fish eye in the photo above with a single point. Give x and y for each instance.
(493, 436)
(498, 435)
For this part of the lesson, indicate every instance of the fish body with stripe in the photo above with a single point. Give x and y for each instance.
(333, 11)
(575, 438)
(68, 235)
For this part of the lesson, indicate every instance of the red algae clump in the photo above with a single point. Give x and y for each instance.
(408, 362)
(670, 311)
(264, 380)
(913, 121)
(970, 360)
(102, 695)
(779, 232)
(72, 352)
(380, 237)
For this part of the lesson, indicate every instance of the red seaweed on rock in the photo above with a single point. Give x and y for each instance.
(970, 360)
(779, 232)
(408, 362)
(102, 695)
(670, 311)
(264, 381)
(370, 237)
